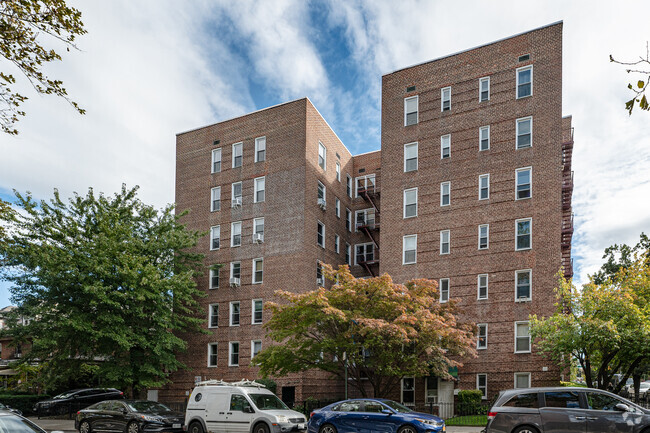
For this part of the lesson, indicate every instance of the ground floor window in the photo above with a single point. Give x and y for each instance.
(408, 391)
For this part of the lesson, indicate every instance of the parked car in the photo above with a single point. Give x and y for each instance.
(245, 406)
(72, 401)
(130, 416)
(11, 422)
(10, 409)
(564, 409)
(643, 389)
(372, 414)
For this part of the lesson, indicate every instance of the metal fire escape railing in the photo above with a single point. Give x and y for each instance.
(567, 214)
(370, 226)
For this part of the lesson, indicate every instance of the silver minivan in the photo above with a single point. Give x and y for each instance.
(564, 410)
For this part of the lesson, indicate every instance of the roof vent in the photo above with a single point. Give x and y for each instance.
(410, 89)
(524, 57)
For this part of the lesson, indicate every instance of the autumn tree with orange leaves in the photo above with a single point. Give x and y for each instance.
(381, 331)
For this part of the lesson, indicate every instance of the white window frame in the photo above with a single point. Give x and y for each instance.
(445, 298)
(348, 218)
(254, 276)
(321, 226)
(417, 110)
(233, 234)
(321, 187)
(408, 146)
(530, 285)
(527, 374)
(348, 185)
(484, 396)
(216, 157)
(480, 138)
(211, 276)
(239, 145)
(255, 225)
(480, 89)
(448, 233)
(213, 230)
(253, 301)
(404, 202)
(211, 352)
(214, 193)
(260, 186)
(517, 122)
(480, 187)
(404, 250)
(487, 236)
(232, 192)
(365, 245)
(337, 244)
(232, 313)
(445, 143)
(232, 269)
(442, 99)
(444, 185)
(253, 342)
(478, 286)
(522, 69)
(401, 395)
(517, 221)
(365, 178)
(337, 207)
(529, 169)
(338, 171)
(530, 342)
(231, 353)
(478, 336)
(211, 316)
(260, 144)
(322, 153)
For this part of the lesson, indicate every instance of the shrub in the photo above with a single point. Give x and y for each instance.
(269, 384)
(469, 402)
(22, 402)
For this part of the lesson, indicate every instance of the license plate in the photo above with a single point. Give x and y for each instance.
(176, 426)
(301, 426)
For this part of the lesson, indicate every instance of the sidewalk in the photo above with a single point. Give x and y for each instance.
(457, 429)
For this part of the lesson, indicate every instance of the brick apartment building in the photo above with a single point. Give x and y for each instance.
(472, 187)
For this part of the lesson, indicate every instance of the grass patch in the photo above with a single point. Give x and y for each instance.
(468, 420)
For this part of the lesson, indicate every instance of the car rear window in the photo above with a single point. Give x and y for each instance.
(523, 400)
(562, 399)
(349, 406)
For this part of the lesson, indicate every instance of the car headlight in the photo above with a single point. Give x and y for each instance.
(431, 422)
(282, 418)
(151, 418)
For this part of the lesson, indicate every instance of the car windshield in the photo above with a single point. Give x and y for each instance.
(15, 424)
(267, 401)
(396, 406)
(148, 407)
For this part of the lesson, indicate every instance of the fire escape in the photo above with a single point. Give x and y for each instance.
(567, 214)
(369, 224)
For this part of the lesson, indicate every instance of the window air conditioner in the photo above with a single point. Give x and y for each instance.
(236, 202)
(258, 238)
(234, 282)
(320, 281)
(321, 203)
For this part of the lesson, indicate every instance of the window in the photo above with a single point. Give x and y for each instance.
(322, 155)
(523, 234)
(523, 182)
(258, 308)
(233, 360)
(237, 154)
(524, 132)
(445, 99)
(348, 252)
(337, 207)
(445, 193)
(567, 399)
(215, 237)
(337, 243)
(481, 341)
(408, 391)
(409, 249)
(348, 185)
(522, 337)
(524, 81)
(431, 389)
(235, 270)
(410, 157)
(260, 149)
(484, 138)
(482, 286)
(484, 89)
(481, 384)
(365, 183)
(348, 219)
(213, 316)
(484, 187)
(483, 236)
(260, 189)
(522, 285)
(256, 347)
(321, 234)
(522, 380)
(236, 194)
(444, 242)
(214, 278)
(410, 111)
(258, 230)
(216, 199)
(235, 234)
(445, 146)
(212, 355)
(599, 401)
(234, 313)
(410, 203)
(365, 218)
(319, 274)
(338, 171)
(321, 194)
(258, 271)
(524, 400)
(364, 253)
(216, 160)
(444, 289)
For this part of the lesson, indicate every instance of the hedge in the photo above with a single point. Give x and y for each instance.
(24, 403)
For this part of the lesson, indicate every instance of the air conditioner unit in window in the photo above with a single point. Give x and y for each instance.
(236, 202)
(320, 281)
(258, 238)
(234, 282)
(432, 399)
(321, 203)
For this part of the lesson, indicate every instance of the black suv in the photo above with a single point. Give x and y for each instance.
(72, 401)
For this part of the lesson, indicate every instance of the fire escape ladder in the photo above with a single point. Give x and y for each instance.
(368, 268)
(367, 230)
(371, 196)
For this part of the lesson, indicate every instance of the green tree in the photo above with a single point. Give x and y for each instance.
(106, 281)
(620, 257)
(6, 214)
(371, 329)
(641, 70)
(23, 25)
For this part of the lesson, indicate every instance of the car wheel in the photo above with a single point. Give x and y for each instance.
(132, 428)
(195, 427)
(407, 429)
(84, 427)
(261, 428)
(327, 428)
(525, 429)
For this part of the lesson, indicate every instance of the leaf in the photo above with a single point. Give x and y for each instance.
(629, 105)
(640, 84)
(643, 104)
(629, 86)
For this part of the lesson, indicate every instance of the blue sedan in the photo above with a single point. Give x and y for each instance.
(372, 415)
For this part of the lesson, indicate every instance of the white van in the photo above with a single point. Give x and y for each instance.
(216, 406)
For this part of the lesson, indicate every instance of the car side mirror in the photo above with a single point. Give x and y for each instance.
(248, 409)
(622, 407)
(387, 411)
(124, 411)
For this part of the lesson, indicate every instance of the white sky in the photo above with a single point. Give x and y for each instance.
(150, 69)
